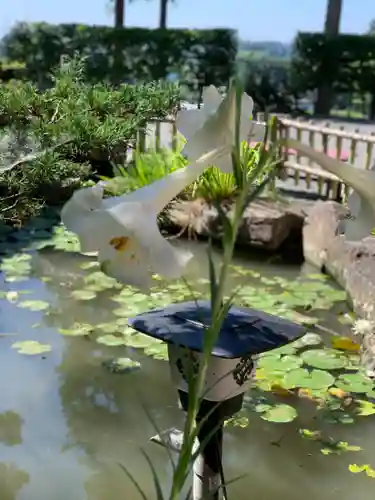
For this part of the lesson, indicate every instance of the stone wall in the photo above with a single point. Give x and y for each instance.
(351, 264)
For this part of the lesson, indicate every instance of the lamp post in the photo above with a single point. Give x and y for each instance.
(245, 334)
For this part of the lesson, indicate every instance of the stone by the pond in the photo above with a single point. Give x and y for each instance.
(351, 264)
(266, 223)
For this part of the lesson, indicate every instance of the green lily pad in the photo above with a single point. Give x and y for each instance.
(111, 340)
(157, 351)
(324, 359)
(77, 330)
(309, 339)
(140, 341)
(241, 421)
(83, 294)
(354, 382)
(300, 318)
(302, 378)
(121, 365)
(276, 363)
(33, 305)
(111, 327)
(31, 347)
(90, 265)
(279, 413)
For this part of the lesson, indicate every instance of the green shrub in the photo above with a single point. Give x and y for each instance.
(102, 122)
(146, 168)
(74, 128)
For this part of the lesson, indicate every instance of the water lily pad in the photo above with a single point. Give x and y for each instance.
(33, 305)
(31, 347)
(140, 341)
(300, 318)
(324, 359)
(279, 413)
(354, 382)
(239, 420)
(110, 327)
(279, 363)
(316, 379)
(77, 330)
(157, 351)
(111, 340)
(90, 265)
(83, 294)
(309, 339)
(121, 365)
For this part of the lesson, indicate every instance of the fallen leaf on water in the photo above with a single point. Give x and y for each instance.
(365, 408)
(337, 393)
(345, 344)
(356, 469)
(306, 433)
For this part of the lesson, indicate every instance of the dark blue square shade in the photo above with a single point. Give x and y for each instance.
(244, 331)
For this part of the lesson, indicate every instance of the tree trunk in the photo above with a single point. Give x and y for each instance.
(163, 14)
(331, 28)
(372, 106)
(119, 13)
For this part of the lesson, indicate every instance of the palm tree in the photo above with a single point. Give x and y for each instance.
(331, 28)
(119, 13)
(333, 17)
(163, 14)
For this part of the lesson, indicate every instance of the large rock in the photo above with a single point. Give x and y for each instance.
(266, 223)
(351, 264)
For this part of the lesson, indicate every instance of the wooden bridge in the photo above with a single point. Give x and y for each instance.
(298, 173)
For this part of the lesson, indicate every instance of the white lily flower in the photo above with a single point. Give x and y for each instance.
(362, 201)
(214, 124)
(124, 230)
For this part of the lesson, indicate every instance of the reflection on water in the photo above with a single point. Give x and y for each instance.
(66, 423)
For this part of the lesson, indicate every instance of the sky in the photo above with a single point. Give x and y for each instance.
(271, 20)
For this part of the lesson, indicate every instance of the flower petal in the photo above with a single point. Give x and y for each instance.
(211, 100)
(218, 130)
(164, 258)
(128, 271)
(188, 121)
(78, 216)
(142, 227)
(247, 107)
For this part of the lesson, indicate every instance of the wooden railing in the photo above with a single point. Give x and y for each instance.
(354, 147)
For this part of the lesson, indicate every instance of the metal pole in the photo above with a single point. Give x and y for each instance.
(208, 466)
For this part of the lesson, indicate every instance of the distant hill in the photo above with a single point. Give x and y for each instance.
(266, 50)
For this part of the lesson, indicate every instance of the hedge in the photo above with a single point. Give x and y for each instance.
(126, 54)
(347, 62)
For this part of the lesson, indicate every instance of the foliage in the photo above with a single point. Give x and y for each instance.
(345, 61)
(126, 54)
(212, 185)
(67, 131)
(145, 168)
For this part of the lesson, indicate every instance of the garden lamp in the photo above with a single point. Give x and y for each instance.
(245, 333)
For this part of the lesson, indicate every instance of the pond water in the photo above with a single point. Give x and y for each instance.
(67, 421)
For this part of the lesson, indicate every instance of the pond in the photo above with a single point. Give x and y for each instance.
(73, 408)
